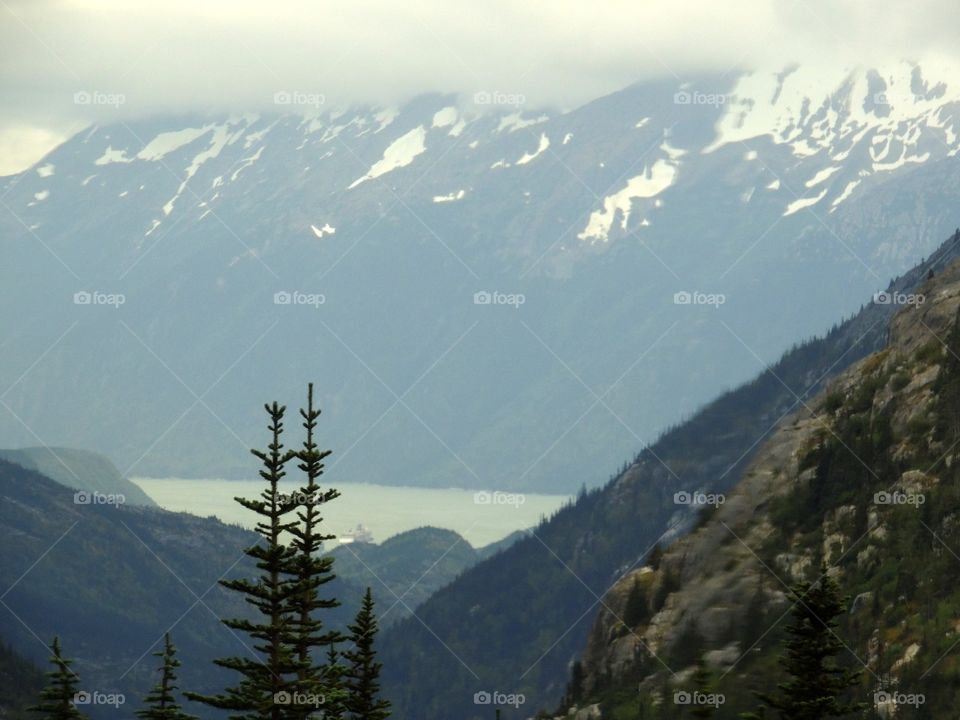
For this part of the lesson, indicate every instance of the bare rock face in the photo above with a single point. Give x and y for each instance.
(705, 582)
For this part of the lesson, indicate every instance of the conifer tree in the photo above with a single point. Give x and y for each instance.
(57, 698)
(703, 684)
(363, 670)
(333, 673)
(161, 702)
(311, 569)
(817, 683)
(267, 685)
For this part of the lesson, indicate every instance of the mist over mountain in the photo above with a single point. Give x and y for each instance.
(462, 274)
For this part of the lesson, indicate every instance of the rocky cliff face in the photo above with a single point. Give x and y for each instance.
(857, 479)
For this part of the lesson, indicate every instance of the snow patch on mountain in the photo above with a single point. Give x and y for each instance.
(541, 148)
(46, 171)
(385, 117)
(458, 195)
(166, 143)
(327, 229)
(400, 153)
(221, 137)
(112, 156)
(445, 117)
(652, 182)
(516, 121)
(822, 175)
(245, 163)
(801, 203)
(844, 195)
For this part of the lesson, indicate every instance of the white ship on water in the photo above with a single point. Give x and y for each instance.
(360, 533)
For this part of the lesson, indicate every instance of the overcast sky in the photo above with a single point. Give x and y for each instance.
(178, 56)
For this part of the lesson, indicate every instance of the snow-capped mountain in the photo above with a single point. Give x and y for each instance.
(486, 295)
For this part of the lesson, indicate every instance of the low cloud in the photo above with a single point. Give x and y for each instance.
(184, 56)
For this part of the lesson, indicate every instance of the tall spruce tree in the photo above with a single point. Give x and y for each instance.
(333, 671)
(161, 702)
(312, 571)
(57, 698)
(817, 684)
(268, 682)
(702, 684)
(363, 671)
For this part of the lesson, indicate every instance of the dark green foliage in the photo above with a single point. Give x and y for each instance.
(161, 702)
(702, 683)
(575, 687)
(636, 611)
(56, 699)
(265, 688)
(311, 569)
(20, 683)
(818, 685)
(362, 675)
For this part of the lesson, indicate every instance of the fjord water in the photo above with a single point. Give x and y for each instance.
(480, 517)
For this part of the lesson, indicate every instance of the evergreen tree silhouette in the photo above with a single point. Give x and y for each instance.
(363, 670)
(161, 702)
(57, 698)
(817, 684)
(312, 571)
(268, 683)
